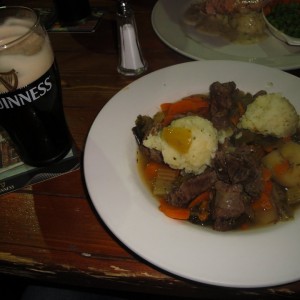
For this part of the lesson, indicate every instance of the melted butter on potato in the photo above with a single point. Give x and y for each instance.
(178, 138)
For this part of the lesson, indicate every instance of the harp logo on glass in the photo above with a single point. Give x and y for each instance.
(23, 96)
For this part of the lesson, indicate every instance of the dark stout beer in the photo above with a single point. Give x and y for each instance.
(31, 108)
(34, 119)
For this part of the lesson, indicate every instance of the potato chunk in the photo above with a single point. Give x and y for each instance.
(284, 163)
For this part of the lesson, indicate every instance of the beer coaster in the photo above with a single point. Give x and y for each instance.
(14, 174)
(89, 24)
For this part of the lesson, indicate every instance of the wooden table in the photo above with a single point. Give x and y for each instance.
(50, 231)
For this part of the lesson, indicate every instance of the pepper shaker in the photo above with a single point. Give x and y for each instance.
(131, 61)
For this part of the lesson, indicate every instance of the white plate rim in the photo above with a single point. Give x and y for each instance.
(110, 172)
(173, 36)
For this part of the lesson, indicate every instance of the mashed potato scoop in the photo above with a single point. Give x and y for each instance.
(270, 114)
(188, 143)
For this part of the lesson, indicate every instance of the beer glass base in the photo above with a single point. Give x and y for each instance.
(45, 163)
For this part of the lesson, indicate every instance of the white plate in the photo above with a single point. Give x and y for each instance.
(166, 19)
(254, 258)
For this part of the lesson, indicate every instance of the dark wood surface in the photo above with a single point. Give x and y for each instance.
(50, 231)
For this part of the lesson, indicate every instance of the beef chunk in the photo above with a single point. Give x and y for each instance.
(221, 102)
(143, 125)
(191, 188)
(230, 206)
(152, 154)
(240, 166)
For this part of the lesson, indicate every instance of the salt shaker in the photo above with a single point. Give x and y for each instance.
(131, 61)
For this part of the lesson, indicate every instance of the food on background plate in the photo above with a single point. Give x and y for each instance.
(284, 15)
(238, 21)
(227, 159)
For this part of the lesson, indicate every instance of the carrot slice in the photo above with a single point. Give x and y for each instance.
(281, 168)
(199, 199)
(266, 174)
(151, 170)
(188, 104)
(264, 201)
(174, 212)
(204, 210)
(245, 226)
(165, 106)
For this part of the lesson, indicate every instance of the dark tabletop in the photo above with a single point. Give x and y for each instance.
(50, 231)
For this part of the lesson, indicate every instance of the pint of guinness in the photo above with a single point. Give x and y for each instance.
(31, 108)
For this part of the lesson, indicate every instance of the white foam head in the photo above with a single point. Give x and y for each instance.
(26, 51)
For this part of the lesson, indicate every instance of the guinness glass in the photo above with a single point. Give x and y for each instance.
(31, 108)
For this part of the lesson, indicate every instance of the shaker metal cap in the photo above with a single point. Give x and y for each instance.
(123, 7)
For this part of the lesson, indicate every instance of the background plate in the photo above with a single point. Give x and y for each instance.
(166, 22)
(254, 258)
